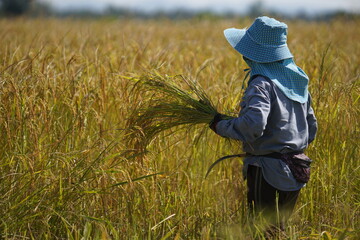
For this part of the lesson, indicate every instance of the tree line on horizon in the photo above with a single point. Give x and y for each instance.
(35, 8)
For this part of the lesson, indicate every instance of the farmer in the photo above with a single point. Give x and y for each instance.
(276, 122)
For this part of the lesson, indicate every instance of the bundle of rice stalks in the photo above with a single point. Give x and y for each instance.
(169, 107)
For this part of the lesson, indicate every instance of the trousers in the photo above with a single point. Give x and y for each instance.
(275, 205)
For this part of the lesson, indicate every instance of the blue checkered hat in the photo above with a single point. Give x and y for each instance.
(263, 42)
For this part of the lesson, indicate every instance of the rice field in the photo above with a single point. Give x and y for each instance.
(69, 171)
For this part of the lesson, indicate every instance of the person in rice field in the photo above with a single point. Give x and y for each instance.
(276, 122)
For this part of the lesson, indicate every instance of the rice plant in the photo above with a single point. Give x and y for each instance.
(169, 106)
(67, 115)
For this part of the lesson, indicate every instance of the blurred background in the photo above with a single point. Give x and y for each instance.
(178, 9)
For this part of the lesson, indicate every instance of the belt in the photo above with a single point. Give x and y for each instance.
(275, 154)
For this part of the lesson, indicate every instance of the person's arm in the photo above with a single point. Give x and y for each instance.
(312, 122)
(252, 120)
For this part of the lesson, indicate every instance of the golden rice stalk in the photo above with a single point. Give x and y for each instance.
(169, 106)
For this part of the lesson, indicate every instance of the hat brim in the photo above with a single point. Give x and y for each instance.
(239, 39)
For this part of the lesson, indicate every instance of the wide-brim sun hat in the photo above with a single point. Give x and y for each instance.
(263, 42)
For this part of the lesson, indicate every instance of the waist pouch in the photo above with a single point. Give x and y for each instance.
(298, 163)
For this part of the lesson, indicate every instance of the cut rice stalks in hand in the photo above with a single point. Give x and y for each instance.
(168, 106)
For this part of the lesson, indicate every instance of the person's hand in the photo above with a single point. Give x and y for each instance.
(217, 118)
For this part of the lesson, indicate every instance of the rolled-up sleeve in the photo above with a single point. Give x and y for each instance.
(250, 125)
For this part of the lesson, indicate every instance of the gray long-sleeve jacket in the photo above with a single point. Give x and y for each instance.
(270, 122)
